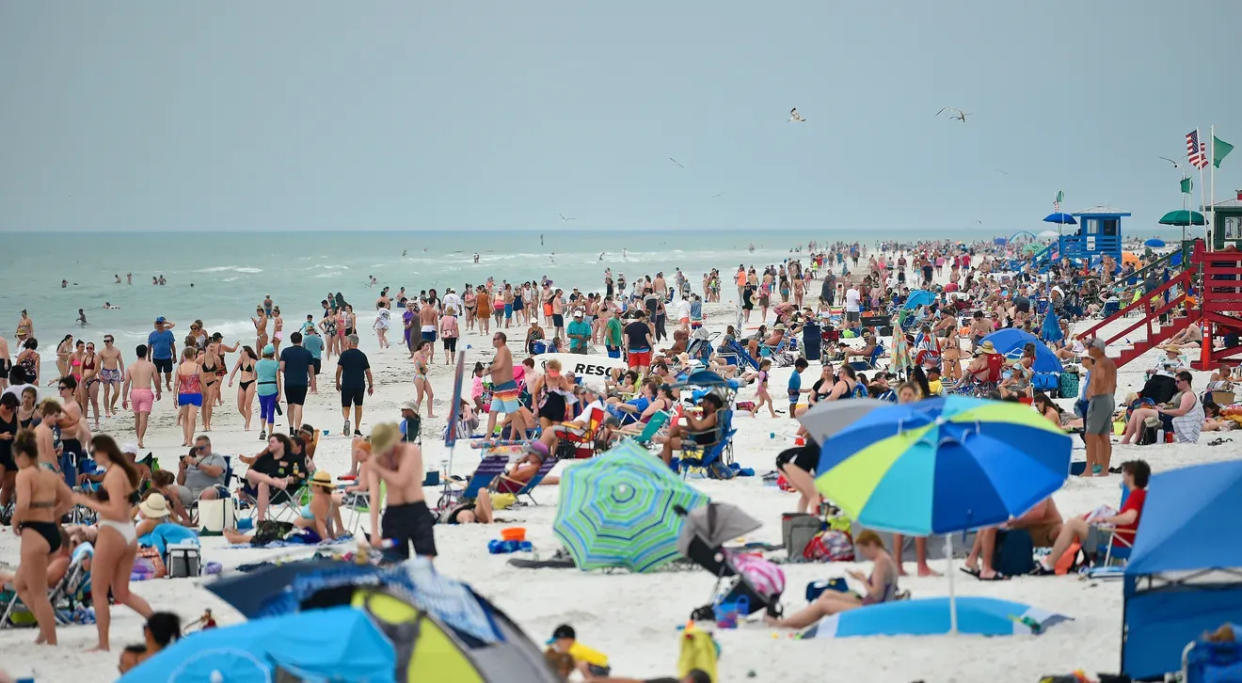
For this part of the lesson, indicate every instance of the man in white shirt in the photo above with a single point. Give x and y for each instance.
(852, 301)
(683, 314)
(452, 299)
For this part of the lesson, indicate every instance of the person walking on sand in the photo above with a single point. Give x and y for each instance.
(42, 498)
(296, 364)
(449, 332)
(422, 383)
(188, 393)
(142, 387)
(163, 347)
(399, 466)
(1098, 426)
(428, 320)
(260, 328)
(117, 543)
(111, 374)
(354, 381)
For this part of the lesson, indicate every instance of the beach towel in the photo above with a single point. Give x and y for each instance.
(165, 534)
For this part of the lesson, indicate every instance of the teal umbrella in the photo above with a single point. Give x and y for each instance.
(616, 510)
(1183, 218)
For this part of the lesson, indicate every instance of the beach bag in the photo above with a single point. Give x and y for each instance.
(1046, 381)
(763, 575)
(797, 530)
(1014, 554)
(832, 545)
(1069, 385)
(214, 516)
(269, 530)
(719, 470)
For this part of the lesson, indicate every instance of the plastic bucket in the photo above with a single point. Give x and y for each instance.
(513, 533)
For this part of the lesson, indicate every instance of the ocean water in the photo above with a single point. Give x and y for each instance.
(220, 277)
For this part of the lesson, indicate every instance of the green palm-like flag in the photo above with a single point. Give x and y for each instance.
(1220, 150)
(1187, 185)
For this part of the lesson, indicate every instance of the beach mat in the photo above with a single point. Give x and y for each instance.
(555, 563)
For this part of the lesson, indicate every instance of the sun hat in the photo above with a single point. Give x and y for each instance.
(322, 478)
(154, 506)
(409, 405)
(384, 436)
(538, 448)
(130, 448)
(987, 347)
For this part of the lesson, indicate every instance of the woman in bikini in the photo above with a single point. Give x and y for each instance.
(881, 586)
(63, 349)
(29, 361)
(278, 329)
(42, 497)
(209, 379)
(75, 363)
(260, 327)
(422, 384)
(88, 388)
(118, 539)
(246, 388)
(188, 393)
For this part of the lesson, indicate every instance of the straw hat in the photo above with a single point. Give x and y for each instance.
(322, 478)
(384, 436)
(987, 347)
(154, 507)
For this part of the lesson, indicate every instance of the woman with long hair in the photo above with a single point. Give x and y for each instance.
(63, 349)
(422, 384)
(118, 538)
(188, 393)
(42, 497)
(246, 388)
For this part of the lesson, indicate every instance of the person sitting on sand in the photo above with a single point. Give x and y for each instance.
(1135, 474)
(588, 661)
(160, 630)
(1191, 336)
(1043, 522)
(881, 587)
(477, 511)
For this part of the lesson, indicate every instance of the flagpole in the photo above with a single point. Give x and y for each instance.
(1212, 191)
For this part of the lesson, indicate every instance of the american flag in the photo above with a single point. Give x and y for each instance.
(1196, 152)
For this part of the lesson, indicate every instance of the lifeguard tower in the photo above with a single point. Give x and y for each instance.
(1099, 234)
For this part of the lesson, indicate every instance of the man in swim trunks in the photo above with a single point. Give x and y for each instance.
(163, 347)
(142, 386)
(1098, 425)
(406, 520)
(111, 372)
(428, 319)
(505, 390)
(74, 431)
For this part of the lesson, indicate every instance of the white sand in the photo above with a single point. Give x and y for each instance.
(632, 618)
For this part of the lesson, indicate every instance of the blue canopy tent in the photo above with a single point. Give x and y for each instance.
(1010, 341)
(1185, 571)
(919, 297)
(337, 644)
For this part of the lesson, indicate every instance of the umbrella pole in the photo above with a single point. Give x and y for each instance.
(948, 553)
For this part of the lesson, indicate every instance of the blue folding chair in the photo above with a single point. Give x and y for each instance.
(489, 468)
(720, 450)
(528, 489)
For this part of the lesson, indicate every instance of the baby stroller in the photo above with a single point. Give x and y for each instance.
(702, 541)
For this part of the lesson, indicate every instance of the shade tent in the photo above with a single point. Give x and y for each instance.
(1009, 343)
(930, 616)
(1184, 576)
(338, 644)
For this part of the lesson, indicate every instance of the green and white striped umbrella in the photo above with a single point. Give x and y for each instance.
(616, 510)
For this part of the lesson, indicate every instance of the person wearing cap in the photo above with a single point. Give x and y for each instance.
(163, 345)
(579, 333)
(406, 520)
(590, 662)
(411, 423)
(267, 388)
(1098, 422)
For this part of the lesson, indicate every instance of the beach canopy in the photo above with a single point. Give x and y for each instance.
(943, 465)
(931, 616)
(1184, 576)
(824, 419)
(616, 510)
(919, 297)
(1183, 218)
(1009, 343)
(337, 644)
(1154, 243)
(1060, 219)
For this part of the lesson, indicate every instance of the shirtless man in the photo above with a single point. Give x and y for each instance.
(74, 432)
(979, 328)
(111, 371)
(1098, 425)
(505, 390)
(142, 385)
(386, 459)
(25, 328)
(6, 363)
(428, 321)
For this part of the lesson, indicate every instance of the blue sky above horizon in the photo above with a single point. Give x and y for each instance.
(149, 115)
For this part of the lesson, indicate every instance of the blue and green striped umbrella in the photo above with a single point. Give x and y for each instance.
(616, 510)
(943, 465)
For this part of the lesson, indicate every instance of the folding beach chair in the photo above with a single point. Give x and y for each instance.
(653, 427)
(736, 354)
(528, 488)
(64, 596)
(581, 438)
(872, 362)
(489, 468)
(708, 456)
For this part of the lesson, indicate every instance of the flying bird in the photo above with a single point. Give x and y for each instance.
(565, 219)
(954, 113)
(676, 162)
(795, 117)
(1175, 164)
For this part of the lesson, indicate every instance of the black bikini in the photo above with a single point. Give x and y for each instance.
(246, 384)
(48, 530)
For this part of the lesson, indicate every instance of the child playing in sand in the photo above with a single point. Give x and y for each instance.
(590, 662)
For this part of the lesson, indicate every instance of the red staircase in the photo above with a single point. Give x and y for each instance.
(1218, 308)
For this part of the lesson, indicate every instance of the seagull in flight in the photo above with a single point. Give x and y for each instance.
(795, 117)
(954, 113)
(1175, 164)
(676, 162)
(564, 219)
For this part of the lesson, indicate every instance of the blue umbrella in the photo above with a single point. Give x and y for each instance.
(1009, 343)
(919, 297)
(930, 616)
(1154, 243)
(338, 644)
(1060, 219)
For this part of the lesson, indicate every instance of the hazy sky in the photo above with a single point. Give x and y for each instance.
(502, 114)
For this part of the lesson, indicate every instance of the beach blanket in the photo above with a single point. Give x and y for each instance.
(165, 534)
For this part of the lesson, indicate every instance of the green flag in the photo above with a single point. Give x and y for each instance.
(1220, 150)
(1187, 185)
(1060, 196)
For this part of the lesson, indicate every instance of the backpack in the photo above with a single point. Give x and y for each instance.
(1069, 385)
(1047, 381)
(832, 545)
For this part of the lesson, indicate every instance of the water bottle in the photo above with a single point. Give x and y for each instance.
(1160, 435)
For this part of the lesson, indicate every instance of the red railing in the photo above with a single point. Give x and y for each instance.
(1150, 310)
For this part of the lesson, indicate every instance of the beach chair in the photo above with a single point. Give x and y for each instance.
(872, 362)
(489, 468)
(582, 438)
(1204, 661)
(653, 427)
(65, 595)
(528, 488)
(720, 451)
(735, 354)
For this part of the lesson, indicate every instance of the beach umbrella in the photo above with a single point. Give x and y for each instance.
(616, 510)
(716, 524)
(336, 644)
(1154, 243)
(931, 616)
(943, 465)
(826, 418)
(919, 297)
(1060, 219)
(1010, 341)
(1183, 218)
(1050, 332)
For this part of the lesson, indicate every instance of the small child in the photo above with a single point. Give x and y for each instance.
(934, 385)
(761, 391)
(591, 663)
(795, 386)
